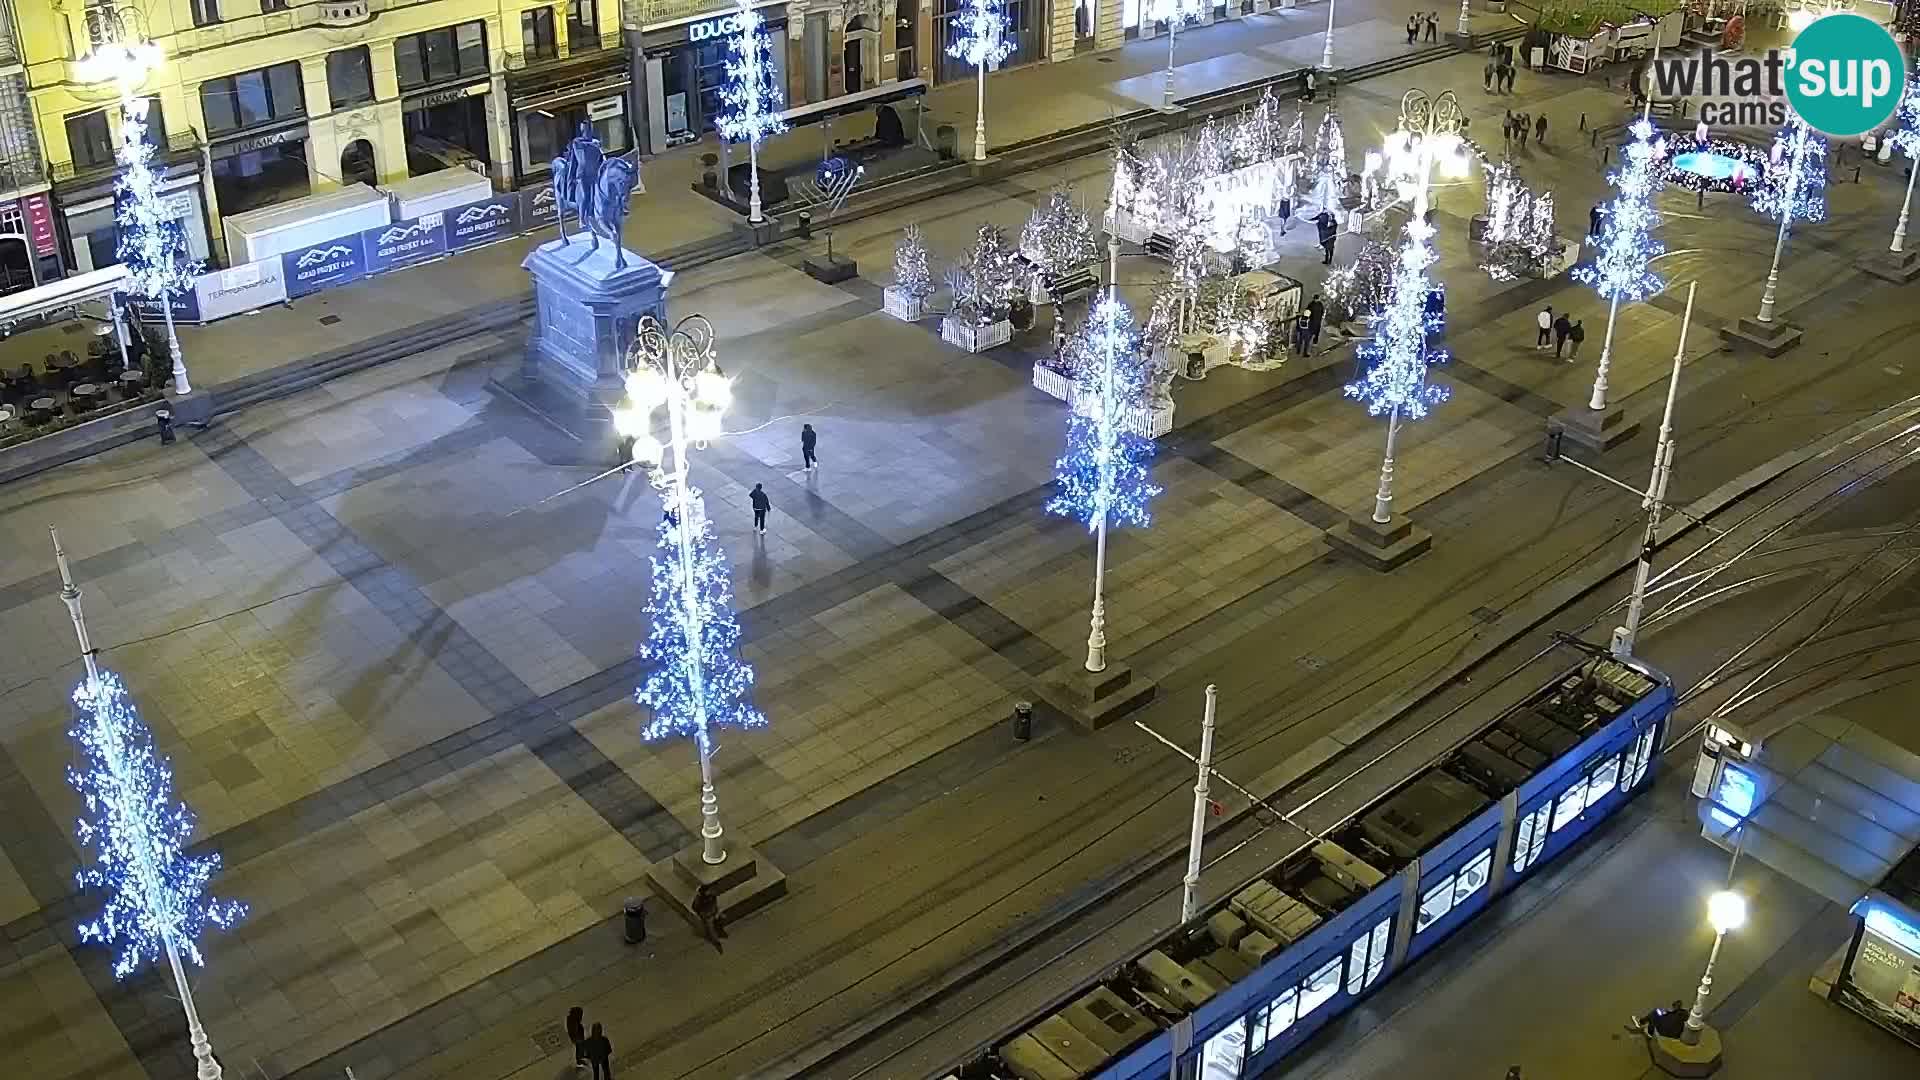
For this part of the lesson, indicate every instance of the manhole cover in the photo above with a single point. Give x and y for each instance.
(329, 320)
(1311, 663)
(1485, 614)
(550, 1038)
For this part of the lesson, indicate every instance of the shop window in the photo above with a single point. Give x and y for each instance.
(90, 140)
(156, 121)
(1021, 34)
(544, 133)
(536, 33)
(583, 26)
(350, 76)
(205, 12)
(1529, 838)
(452, 52)
(253, 97)
(1367, 958)
(904, 38)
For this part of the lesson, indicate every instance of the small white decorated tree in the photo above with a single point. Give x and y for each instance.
(150, 244)
(1327, 169)
(1058, 238)
(912, 277)
(1362, 285)
(1520, 228)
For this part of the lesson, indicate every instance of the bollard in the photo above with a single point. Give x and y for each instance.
(1583, 121)
(1554, 432)
(805, 222)
(1022, 721)
(164, 418)
(1701, 202)
(1856, 174)
(635, 910)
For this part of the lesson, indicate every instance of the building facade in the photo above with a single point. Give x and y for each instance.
(29, 247)
(260, 102)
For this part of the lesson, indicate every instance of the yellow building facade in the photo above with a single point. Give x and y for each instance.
(265, 101)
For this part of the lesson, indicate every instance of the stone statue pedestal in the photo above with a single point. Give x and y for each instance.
(586, 314)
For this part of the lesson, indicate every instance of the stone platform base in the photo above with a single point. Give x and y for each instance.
(1767, 339)
(746, 882)
(830, 269)
(1887, 266)
(1382, 547)
(1094, 699)
(1676, 1058)
(1601, 430)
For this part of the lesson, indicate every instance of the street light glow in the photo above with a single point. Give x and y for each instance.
(1726, 911)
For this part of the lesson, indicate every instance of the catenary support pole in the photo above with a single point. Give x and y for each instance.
(1625, 635)
(1191, 885)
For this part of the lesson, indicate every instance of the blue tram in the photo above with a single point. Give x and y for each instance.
(1232, 995)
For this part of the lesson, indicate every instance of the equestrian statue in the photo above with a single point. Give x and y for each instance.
(596, 189)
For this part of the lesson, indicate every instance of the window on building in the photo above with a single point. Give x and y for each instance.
(350, 76)
(156, 125)
(451, 52)
(1367, 958)
(205, 12)
(91, 142)
(536, 33)
(253, 97)
(583, 25)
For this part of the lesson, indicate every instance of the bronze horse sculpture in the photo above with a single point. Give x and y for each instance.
(596, 189)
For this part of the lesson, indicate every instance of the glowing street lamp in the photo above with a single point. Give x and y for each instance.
(1725, 911)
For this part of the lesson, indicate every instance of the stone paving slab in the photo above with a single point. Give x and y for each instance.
(52, 1025)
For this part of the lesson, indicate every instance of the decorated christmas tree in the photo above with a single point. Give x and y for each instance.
(1520, 228)
(151, 245)
(992, 278)
(1058, 237)
(911, 274)
(1363, 285)
(1327, 165)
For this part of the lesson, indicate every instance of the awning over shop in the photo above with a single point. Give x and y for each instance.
(66, 294)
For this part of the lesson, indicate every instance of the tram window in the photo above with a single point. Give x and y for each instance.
(1223, 1056)
(1472, 877)
(1368, 957)
(1437, 902)
(1270, 1022)
(1319, 987)
(1531, 838)
(1603, 779)
(1643, 757)
(1570, 804)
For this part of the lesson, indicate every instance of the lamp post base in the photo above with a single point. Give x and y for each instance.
(1601, 429)
(1898, 267)
(1679, 1058)
(745, 882)
(1094, 699)
(1382, 547)
(1765, 338)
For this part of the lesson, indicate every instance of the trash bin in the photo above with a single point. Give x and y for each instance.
(636, 921)
(164, 418)
(1022, 720)
(946, 141)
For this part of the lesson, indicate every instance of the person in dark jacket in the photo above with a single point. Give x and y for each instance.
(1309, 84)
(1316, 314)
(706, 908)
(1576, 334)
(599, 1051)
(1328, 230)
(1596, 217)
(807, 441)
(577, 1031)
(761, 504)
(1562, 327)
(1540, 129)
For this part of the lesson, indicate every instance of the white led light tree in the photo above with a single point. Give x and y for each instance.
(980, 38)
(150, 243)
(1795, 188)
(136, 834)
(1621, 267)
(752, 97)
(1175, 13)
(1906, 139)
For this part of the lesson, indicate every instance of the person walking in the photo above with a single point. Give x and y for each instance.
(706, 908)
(1486, 77)
(1308, 84)
(1525, 125)
(1302, 335)
(599, 1051)
(1433, 26)
(577, 1032)
(1544, 321)
(808, 439)
(1576, 334)
(1316, 315)
(1329, 229)
(1510, 75)
(1562, 327)
(1286, 214)
(1540, 130)
(761, 504)
(1595, 218)
(1413, 29)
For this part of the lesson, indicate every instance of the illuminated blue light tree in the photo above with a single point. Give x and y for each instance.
(1906, 139)
(1795, 187)
(137, 833)
(1102, 474)
(980, 38)
(150, 243)
(1395, 384)
(1621, 269)
(696, 680)
(752, 98)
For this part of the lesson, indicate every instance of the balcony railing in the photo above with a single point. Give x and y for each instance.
(178, 143)
(520, 60)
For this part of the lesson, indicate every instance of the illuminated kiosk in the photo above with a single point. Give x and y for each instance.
(586, 310)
